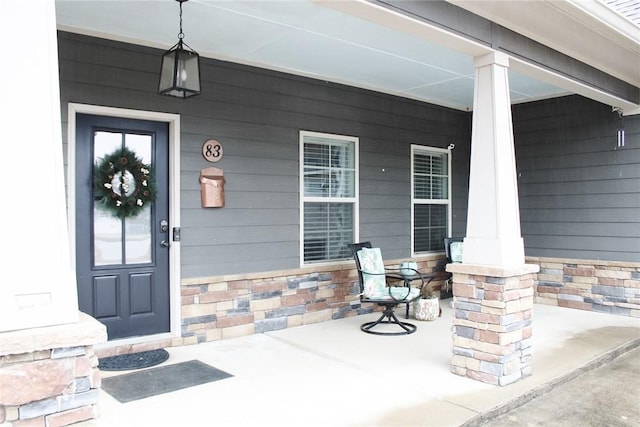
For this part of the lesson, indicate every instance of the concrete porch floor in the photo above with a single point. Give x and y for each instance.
(332, 374)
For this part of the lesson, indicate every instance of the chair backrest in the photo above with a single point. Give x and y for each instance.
(453, 249)
(374, 285)
(355, 247)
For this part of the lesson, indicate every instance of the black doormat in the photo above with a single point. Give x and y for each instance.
(163, 379)
(126, 362)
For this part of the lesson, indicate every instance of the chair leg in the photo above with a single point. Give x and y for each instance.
(391, 317)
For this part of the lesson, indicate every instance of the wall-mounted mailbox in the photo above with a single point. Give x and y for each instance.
(212, 187)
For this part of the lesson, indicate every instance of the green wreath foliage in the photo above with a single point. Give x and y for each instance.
(122, 184)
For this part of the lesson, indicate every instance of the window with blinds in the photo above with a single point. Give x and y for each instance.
(431, 201)
(329, 190)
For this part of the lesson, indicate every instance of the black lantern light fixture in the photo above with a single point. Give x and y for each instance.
(180, 70)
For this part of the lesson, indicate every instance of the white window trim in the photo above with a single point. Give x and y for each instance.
(414, 148)
(355, 200)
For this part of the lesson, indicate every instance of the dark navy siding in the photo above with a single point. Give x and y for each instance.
(257, 115)
(580, 194)
(579, 191)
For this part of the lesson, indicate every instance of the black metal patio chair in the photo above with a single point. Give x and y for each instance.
(376, 287)
(451, 245)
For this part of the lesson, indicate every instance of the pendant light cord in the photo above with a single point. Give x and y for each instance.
(180, 34)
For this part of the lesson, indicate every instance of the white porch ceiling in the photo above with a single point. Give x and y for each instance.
(349, 42)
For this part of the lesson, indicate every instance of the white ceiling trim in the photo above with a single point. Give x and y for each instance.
(400, 22)
(573, 86)
(350, 42)
(587, 31)
(405, 24)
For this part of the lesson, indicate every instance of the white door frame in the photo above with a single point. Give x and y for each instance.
(174, 201)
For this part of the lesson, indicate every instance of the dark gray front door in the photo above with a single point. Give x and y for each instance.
(122, 264)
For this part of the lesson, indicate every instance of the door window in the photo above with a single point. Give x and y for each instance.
(121, 241)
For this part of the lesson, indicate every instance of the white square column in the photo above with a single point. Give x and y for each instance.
(492, 287)
(38, 284)
(493, 221)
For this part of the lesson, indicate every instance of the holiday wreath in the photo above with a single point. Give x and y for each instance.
(123, 185)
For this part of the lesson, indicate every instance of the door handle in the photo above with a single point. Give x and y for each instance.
(164, 228)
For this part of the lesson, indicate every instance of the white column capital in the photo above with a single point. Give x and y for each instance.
(493, 58)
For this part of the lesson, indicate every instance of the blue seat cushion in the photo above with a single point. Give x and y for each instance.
(456, 251)
(373, 276)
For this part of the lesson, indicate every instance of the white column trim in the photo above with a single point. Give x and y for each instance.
(37, 281)
(493, 220)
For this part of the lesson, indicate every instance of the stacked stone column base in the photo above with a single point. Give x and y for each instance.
(492, 322)
(49, 376)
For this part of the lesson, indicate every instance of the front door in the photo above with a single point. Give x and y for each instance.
(122, 230)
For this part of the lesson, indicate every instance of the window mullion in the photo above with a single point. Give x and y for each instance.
(330, 199)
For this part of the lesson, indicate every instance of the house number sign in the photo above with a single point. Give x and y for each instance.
(212, 150)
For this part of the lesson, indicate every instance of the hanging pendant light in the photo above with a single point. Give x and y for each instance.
(180, 70)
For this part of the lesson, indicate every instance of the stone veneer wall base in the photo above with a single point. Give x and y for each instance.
(604, 286)
(230, 306)
(224, 307)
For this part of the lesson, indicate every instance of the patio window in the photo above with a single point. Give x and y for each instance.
(430, 198)
(328, 178)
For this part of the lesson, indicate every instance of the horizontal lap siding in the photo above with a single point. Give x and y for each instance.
(579, 192)
(257, 114)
